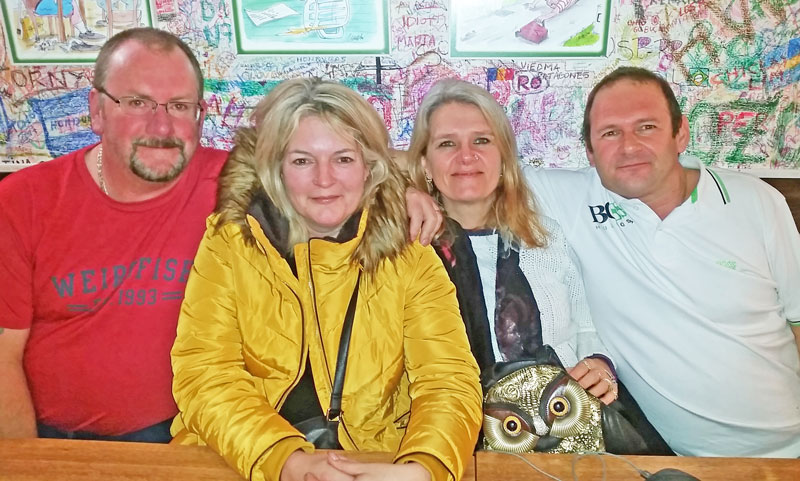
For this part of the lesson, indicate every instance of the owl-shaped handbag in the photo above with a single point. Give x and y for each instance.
(534, 405)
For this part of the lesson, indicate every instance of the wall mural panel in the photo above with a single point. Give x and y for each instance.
(67, 31)
(551, 28)
(320, 26)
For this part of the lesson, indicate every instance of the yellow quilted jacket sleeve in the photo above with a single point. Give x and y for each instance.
(218, 399)
(446, 410)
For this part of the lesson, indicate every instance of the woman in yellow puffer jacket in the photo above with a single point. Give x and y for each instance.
(309, 202)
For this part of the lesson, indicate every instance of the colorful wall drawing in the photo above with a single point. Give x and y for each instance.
(67, 31)
(310, 26)
(524, 28)
(733, 64)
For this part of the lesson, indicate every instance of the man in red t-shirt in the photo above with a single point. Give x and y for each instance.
(95, 250)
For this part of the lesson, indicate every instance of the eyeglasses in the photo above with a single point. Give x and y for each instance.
(140, 106)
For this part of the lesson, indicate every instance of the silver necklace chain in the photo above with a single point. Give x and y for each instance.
(100, 170)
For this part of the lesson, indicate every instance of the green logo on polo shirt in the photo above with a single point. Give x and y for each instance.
(728, 264)
(617, 212)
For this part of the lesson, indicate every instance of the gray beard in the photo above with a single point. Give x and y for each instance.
(146, 173)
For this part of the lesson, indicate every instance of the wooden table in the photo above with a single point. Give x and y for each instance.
(69, 460)
(497, 466)
(62, 460)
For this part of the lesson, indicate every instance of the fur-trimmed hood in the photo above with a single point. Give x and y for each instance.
(239, 187)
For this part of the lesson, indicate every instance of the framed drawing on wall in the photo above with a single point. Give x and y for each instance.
(525, 28)
(311, 26)
(67, 31)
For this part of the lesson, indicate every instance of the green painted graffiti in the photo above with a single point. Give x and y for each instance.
(367, 87)
(699, 52)
(776, 8)
(209, 10)
(748, 127)
(246, 88)
(214, 33)
(790, 116)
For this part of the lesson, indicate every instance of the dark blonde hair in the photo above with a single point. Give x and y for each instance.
(514, 212)
(276, 119)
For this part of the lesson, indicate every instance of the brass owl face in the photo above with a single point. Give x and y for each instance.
(538, 407)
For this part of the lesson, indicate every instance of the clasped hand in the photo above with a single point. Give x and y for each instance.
(332, 466)
(595, 376)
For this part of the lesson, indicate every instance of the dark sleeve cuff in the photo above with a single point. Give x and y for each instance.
(608, 361)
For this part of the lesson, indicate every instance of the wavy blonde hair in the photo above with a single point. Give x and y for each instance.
(275, 121)
(513, 211)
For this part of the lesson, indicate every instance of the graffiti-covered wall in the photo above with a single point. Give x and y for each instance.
(734, 64)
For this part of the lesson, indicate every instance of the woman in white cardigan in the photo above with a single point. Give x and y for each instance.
(516, 279)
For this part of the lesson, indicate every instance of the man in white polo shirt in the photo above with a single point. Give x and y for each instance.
(692, 274)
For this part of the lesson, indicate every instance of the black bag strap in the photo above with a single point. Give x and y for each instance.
(341, 359)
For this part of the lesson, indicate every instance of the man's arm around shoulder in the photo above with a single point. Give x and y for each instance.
(551, 187)
(17, 416)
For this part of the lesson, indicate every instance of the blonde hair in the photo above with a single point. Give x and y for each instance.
(513, 212)
(275, 121)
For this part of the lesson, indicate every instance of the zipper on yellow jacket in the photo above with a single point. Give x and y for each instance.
(304, 354)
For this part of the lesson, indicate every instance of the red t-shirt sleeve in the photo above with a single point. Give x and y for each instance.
(16, 265)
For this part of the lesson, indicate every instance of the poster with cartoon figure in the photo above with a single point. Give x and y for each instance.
(67, 31)
(529, 28)
(311, 26)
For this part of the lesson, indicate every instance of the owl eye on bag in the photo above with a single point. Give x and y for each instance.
(512, 425)
(558, 407)
(534, 405)
(577, 407)
(511, 429)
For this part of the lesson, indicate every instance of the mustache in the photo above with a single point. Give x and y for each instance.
(163, 143)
